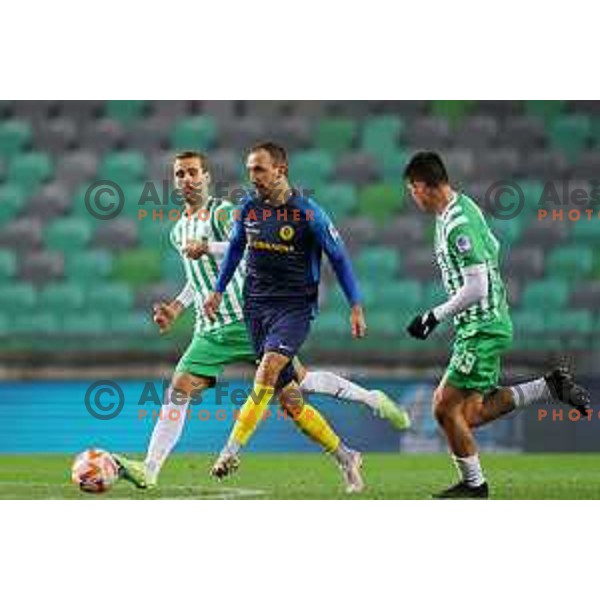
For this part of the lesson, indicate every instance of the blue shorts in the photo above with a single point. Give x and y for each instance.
(278, 326)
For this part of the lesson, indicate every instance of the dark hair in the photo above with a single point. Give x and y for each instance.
(276, 152)
(427, 167)
(194, 154)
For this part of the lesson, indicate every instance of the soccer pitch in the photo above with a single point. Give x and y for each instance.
(313, 476)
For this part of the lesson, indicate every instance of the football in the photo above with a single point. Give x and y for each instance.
(94, 471)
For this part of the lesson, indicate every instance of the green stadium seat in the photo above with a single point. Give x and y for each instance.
(85, 324)
(434, 294)
(508, 231)
(546, 294)
(12, 201)
(546, 109)
(8, 265)
(62, 297)
(570, 134)
(311, 169)
(338, 199)
(331, 322)
(14, 137)
(17, 297)
(123, 167)
(194, 132)
(400, 294)
(380, 201)
(36, 324)
(68, 234)
(137, 267)
(125, 111)
(595, 132)
(134, 323)
(453, 110)
(586, 232)
(569, 322)
(110, 297)
(392, 166)
(529, 321)
(31, 169)
(335, 135)
(571, 262)
(381, 135)
(88, 267)
(378, 264)
(385, 323)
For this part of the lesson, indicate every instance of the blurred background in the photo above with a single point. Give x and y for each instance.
(76, 291)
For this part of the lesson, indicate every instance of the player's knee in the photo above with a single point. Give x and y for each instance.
(186, 387)
(443, 407)
(269, 369)
(292, 402)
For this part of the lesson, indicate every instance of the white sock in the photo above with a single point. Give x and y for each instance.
(165, 435)
(531, 392)
(470, 470)
(324, 382)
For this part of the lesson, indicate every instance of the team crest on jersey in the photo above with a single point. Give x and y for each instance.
(286, 233)
(463, 244)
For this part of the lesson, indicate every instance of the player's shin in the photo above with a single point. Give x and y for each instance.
(166, 433)
(249, 416)
(325, 382)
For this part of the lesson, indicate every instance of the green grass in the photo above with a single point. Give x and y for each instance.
(298, 476)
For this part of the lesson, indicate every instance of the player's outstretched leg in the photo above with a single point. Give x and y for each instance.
(313, 424)
(331, 384)
(166, 433)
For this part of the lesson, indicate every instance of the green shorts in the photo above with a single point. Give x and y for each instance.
(209, 353)
(475, 362)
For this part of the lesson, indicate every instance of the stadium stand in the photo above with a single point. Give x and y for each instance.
(64, 272)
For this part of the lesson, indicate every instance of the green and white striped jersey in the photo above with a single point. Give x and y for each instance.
(463, 239)
(212, 223)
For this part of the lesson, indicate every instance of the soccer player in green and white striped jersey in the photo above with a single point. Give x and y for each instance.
(467, 397)
(200, 237)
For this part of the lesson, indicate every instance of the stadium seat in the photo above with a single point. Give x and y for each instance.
(570, 262)
(41, 267)
(434, 294)
(102, 135)
(385, 322)
(335, 135)
(88, 267)
(358, 168)
(125, 111)
(584, 231)
(294, 132)
(123, 167)
(110, 297)
(118, 234)
(392, 165)
(428, 132)
(460, 164)
(453, 110)
(528, 321)
(546, 294)
(380, 201)
(569, 134)
(8, 265)
(586, 295)
(84, 325)
(545, 164)
(239, 134)
(23, 234)
(477, 132)
(403, 232)
(194, 132)
(68, 234)
(76, 167)
(148, 135)
(14, 137)
(338, 199)
(525, 132)
(55, 136)
(382, 135)
(569, 322)
(379, 264)
(135, 323)
(12, 201)
(137, 267)
(405, 295)
(62, 297)
(17, 297)
(30, 169)
(36, 324)
(51, 201)
(310, 169)
(546, 109)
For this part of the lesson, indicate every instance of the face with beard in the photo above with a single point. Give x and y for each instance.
(191, 179)
(268, 177)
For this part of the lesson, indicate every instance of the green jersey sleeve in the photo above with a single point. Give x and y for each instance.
(221, 220)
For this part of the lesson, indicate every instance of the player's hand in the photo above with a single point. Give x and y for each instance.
(196, 248)
(211, 306)
(165, 314)
(358, 323)
(422, 325)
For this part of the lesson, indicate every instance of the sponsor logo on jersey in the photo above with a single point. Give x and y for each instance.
(286, 233)
(463, 244)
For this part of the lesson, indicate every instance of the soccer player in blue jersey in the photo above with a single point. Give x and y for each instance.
(283, 234)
